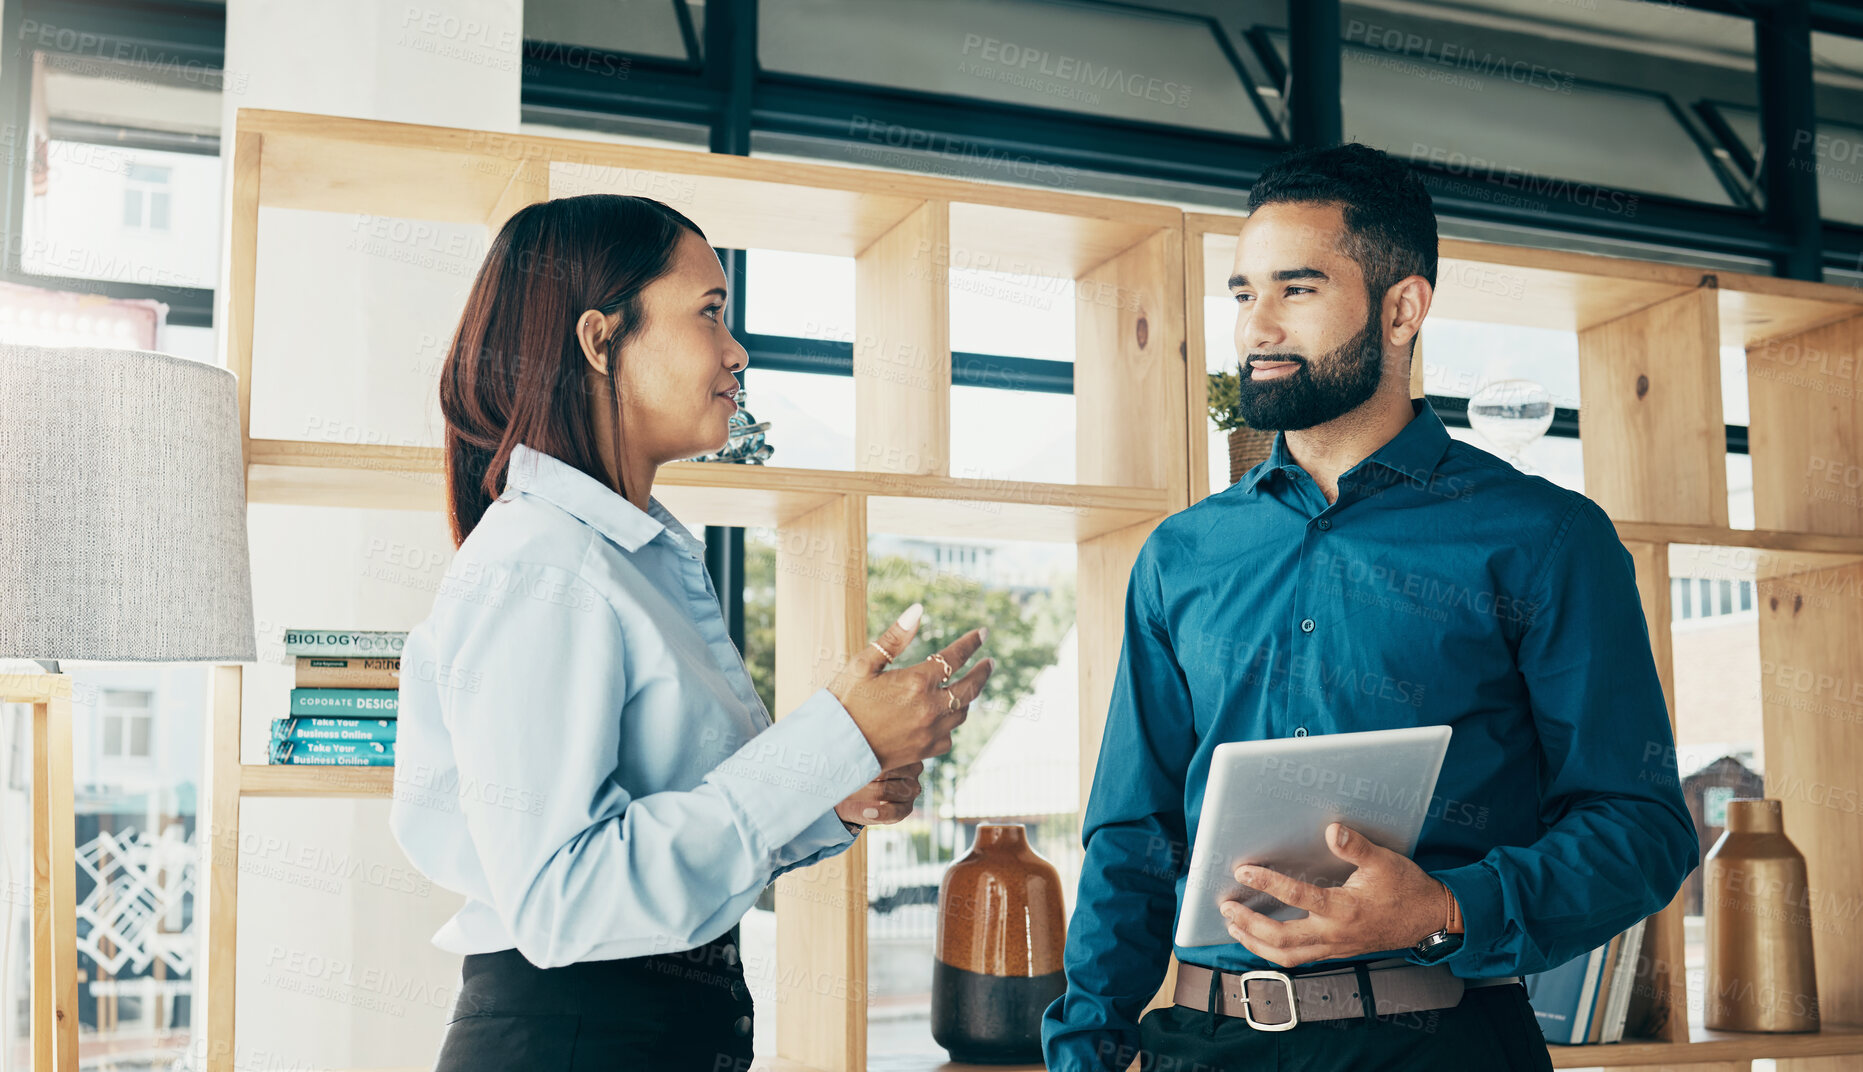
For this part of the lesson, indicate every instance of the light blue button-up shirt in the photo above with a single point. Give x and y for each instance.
(581, 753)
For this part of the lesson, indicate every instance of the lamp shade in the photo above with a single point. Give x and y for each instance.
(122, 508)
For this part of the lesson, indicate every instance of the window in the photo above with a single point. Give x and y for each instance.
(1719, 693)
(1117, 62)
(145, 197)
(127, 720)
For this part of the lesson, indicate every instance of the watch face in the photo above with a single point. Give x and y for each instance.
(1438, 945)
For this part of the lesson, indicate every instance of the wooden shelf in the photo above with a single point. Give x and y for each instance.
(1705, 1046)
(308, 473)
(265, 780)
(1761, 539)
(331, 164)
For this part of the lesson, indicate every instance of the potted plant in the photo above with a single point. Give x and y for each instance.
(1248, 447)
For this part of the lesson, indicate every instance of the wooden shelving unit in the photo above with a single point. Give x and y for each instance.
(1140, 271)
(904, 232)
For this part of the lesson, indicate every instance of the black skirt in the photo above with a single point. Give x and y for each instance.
(688, 1011)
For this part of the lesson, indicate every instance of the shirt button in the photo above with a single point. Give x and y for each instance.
(1300, 731)
(1306, 625)
(1325, 523)
(742, 1026)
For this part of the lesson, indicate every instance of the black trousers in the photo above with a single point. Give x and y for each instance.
(688, 1011)
(1492, 1030)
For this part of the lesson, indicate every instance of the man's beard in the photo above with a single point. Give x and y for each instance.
(1303, 398)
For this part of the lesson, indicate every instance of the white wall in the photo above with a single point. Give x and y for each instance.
(335, 965)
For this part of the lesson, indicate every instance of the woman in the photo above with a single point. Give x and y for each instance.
(581, 752)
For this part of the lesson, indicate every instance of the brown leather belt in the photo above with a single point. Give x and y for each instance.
(1276, 1001)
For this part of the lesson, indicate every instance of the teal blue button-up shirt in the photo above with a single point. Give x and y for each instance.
(1443, 587)
(581, 752)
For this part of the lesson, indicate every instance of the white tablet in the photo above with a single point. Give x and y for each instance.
(1269, 803)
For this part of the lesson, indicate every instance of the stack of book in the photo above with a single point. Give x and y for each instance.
(1587, 999)
(347, 696)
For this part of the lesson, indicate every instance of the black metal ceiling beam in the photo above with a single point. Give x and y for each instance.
(1788, 130)
(1316, 114)
(1838, 17)
(843, 111)
(651, 90)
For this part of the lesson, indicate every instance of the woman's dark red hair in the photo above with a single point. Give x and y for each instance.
(516, 372)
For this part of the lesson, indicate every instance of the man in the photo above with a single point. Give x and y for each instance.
(1371, 574)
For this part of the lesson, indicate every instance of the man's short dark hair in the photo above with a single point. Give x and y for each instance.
(1390, 223)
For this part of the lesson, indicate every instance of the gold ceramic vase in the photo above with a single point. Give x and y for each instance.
(1761, 976)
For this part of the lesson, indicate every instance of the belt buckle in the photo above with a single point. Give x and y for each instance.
(1293, 1011)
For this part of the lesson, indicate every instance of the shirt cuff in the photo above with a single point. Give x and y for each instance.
(1477, 890)
(824, 834)
(785, 778)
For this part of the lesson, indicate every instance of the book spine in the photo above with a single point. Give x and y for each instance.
(378, 644)
(303, 760)
(1624, 983)
(346, 703)
(1601, 1001)
(339, 672)
(1588, 995)
(352, 753)
(333, 729)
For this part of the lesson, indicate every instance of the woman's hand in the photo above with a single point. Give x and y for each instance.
(907, 715)
(886, 799)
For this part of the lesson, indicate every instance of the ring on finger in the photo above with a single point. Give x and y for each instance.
(938, 658)
(883, 651)
(950, 700)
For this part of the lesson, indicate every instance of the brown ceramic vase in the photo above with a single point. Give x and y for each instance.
(997, 961)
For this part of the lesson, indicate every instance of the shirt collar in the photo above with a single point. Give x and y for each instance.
(1413, 453)
(593, 503)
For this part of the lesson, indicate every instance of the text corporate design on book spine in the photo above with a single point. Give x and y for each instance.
(370, 703)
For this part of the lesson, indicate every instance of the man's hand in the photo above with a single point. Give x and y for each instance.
(1388, 903)
(886, 799)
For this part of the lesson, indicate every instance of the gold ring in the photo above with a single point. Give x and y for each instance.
(939, 659)
(883, 651)
(950, 700)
